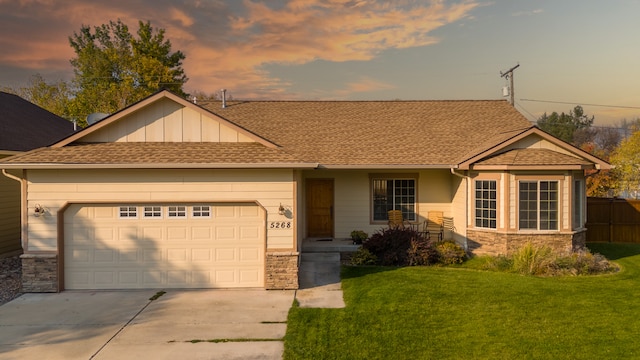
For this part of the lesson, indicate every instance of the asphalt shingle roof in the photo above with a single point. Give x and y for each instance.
(530, 157)
(328, 133)
(25, 126)
(156, 153)
(378, 132)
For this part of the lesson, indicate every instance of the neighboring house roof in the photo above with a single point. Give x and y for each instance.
(460, 134)
(25, 126)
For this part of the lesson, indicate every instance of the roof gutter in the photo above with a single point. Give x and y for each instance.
(383, 166)
(10, 176)
(23, 206)
(466, 199)
(45, 166)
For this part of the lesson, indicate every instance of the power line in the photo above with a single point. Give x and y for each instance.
(578, 103)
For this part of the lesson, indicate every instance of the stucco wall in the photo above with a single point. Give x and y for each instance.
(53, 189)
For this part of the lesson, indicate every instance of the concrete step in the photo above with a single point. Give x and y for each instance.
(320, 257)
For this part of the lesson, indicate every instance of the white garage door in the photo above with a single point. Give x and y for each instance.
(127, 246)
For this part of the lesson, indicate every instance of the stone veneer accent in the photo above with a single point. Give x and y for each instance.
(483, 242)
(282, 270)
(39, 273)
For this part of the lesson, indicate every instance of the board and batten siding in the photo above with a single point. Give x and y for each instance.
(167, 121)
(54, 189)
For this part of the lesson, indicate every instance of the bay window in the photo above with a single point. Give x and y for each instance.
(538, 205)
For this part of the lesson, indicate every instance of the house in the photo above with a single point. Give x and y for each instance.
(23, 127)
(171, 194)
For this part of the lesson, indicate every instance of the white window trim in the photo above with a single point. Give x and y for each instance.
(497, 208)
(392, 177)
(537, 230)
(128, 211)
(153, 211)
(580, 205)
(209, 210)
(177, 212)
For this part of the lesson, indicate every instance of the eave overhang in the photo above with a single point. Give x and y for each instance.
(161, 166)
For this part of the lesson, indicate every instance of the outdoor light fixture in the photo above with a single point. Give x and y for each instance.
(39, 210)
(281, 209)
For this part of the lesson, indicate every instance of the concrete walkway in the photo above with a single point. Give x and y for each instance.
(319, 273)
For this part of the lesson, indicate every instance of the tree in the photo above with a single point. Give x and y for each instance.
(567, 126)
(113, 69)
(626, 161)
(54, 97)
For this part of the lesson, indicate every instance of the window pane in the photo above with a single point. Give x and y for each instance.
(485, 203)
(548, 205)
(528, 205)
(393, 194)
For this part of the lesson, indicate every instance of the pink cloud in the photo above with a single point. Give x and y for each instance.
(228, 44)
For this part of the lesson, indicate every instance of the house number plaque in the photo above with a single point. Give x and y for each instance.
(280, 225)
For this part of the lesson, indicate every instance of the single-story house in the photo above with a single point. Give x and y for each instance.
(23, 126)
(168, 193)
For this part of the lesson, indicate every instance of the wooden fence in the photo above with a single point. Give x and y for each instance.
(613, 220)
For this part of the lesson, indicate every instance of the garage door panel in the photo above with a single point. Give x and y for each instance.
(128, 256)
(201, 233)
(129, 278)
(177, 255)
(126, 233)
(152, 233)
(151, 256)
(249, 254)
(201, 255)
(177, 233)
(223, 250)
(104, 256)
(225, 233)
(249, 275)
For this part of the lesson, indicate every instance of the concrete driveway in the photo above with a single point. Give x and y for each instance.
(181, 324)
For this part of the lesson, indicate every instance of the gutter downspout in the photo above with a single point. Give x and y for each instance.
(466, 200)
(23, 207)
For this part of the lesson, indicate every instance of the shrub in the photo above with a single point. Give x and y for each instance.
(363, 257)
(391, 246)
(533, 260)
(359, 236)
(449, 253)
(421, 252)
(583, 262)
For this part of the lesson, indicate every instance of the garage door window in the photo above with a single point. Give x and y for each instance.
(177, 212)
(128, 212)
(201, 212)
(152, 212)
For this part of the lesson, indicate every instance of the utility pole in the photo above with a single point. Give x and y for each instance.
(509, 76)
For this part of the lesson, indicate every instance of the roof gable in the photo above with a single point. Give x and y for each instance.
(542, 148)
(164, 117)
(25, 126)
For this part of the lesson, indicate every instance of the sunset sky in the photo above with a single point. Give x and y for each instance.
(570, 52)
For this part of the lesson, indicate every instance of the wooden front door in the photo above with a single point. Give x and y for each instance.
(319, 199)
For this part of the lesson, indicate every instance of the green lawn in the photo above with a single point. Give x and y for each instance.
(457, 313)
